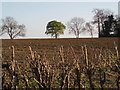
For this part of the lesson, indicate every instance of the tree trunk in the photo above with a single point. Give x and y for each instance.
(99, 26)
(56, 36)
(91, 34)
(77, 36)
(11, 37)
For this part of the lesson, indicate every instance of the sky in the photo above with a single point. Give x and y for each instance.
(36, 15)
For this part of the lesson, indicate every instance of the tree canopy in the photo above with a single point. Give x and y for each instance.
(100, 15)
(76, 25)
(89, 28)
(12, 28)
(111, 27)
(55, 28)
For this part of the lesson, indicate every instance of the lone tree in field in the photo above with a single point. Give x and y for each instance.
(55, 28)
(12, 28)
(76, 25)
(100, 15)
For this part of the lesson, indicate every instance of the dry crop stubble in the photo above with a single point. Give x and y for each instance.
(61, 63)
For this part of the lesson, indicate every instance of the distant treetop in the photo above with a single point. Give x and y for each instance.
(55, 28)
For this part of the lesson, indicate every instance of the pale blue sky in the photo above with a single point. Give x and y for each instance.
(36, 15)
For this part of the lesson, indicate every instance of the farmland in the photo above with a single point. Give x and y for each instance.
(61, 63)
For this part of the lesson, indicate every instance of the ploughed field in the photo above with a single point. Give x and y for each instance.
(50, 47)
(88, 56)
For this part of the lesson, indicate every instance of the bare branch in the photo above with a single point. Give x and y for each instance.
(75, 25)
(11, 27)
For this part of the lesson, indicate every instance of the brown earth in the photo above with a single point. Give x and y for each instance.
(51, 49)
(50, 46)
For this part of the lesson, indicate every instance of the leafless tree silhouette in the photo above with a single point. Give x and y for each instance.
(76, 25)
(12, 28)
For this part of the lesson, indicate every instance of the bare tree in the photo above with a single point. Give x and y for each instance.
(89, 28)
(76, 25)
(100, 15)
(12, 28)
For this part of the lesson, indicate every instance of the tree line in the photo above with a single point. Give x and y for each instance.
(104, 20)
